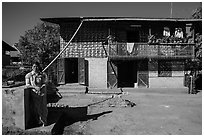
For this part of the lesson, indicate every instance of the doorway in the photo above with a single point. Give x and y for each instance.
(127, 73)
(71, 66)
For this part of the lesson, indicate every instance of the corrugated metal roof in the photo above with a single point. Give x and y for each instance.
(76, 19)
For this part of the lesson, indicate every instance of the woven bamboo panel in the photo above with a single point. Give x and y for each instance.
(152, 50)
(142, 50)
(84, 49)
(93, 32)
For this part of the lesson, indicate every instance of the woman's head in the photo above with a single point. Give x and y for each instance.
(36, 67)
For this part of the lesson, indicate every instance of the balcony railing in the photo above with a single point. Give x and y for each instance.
(145, 50)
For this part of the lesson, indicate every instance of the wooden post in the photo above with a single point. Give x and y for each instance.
(190, 90)
(150, 31)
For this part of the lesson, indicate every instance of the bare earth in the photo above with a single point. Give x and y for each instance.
(136, 112)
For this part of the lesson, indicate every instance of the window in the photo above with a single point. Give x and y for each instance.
(165, 68)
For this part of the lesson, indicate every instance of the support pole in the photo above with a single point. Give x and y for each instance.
(191, 85)
(111, 65)
(64, 48)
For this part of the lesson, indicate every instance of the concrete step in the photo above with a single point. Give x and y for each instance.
(104, 91)
(76, 88)
(71, 88)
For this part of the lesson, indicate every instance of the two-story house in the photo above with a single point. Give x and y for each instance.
(113, 52)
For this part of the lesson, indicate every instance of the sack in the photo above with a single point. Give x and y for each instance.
(53, 95)
(51, 88)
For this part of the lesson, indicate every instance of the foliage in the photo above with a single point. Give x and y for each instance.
(39, 44)
(198, 47)
(14, 74)
(197, 13)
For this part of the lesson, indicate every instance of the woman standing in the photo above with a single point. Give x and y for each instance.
(36, 81)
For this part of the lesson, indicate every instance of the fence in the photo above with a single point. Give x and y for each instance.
(161, 50)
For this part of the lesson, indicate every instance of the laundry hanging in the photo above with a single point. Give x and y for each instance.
(130, 47)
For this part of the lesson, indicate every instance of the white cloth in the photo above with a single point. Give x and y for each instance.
(130, 47)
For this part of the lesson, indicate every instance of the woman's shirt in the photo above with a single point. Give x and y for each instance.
(35, 79)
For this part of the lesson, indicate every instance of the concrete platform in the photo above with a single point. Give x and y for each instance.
(17, 106)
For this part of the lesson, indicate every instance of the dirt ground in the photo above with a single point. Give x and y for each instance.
(136, 112)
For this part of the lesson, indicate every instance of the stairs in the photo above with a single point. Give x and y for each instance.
(71, 88)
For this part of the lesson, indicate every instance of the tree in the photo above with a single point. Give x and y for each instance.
(197, 14)
(40, 43)
(197, 63)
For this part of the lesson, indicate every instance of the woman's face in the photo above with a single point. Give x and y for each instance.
(35, 68)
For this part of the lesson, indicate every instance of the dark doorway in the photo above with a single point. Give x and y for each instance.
(127, 73)
(71, 66)
(133, 36)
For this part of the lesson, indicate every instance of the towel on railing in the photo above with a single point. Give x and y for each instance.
(130, 47)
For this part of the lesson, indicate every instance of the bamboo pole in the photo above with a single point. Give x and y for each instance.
(64, 47)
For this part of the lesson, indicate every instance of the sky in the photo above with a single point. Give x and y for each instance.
(18, 17)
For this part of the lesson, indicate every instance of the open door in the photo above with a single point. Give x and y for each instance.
(67, 70)
(61, 71)
(127, 73)
(112, 78)
(83, 71)
(71, 67)
(143, 74)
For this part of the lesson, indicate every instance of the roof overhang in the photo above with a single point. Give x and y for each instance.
(7, 47)
(78, 19)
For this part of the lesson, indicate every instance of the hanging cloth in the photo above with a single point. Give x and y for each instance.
(130, 47)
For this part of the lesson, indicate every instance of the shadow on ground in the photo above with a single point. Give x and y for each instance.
(60, 116)
(31, 115)
(63, 117)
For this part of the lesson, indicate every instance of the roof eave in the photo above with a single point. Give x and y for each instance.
(78, 19)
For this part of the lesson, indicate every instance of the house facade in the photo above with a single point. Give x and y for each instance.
(10, 54)
(115, 52)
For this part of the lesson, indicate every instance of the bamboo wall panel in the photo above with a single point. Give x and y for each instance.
(84, 50)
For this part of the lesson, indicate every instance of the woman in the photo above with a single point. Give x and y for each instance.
(36, 81)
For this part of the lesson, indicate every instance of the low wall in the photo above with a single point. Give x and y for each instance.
(166, 82)
(13, 113)
(176, 81)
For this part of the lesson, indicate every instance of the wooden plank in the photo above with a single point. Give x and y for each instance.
(112, 79)
(81, 70)
(143, 74)
(61, 71)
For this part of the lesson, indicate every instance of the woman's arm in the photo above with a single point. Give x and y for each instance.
(28, 85)
(27, 80)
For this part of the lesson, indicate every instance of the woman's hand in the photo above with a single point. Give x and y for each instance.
(38, 88)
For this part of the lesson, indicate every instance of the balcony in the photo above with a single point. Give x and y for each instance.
(145, 50)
